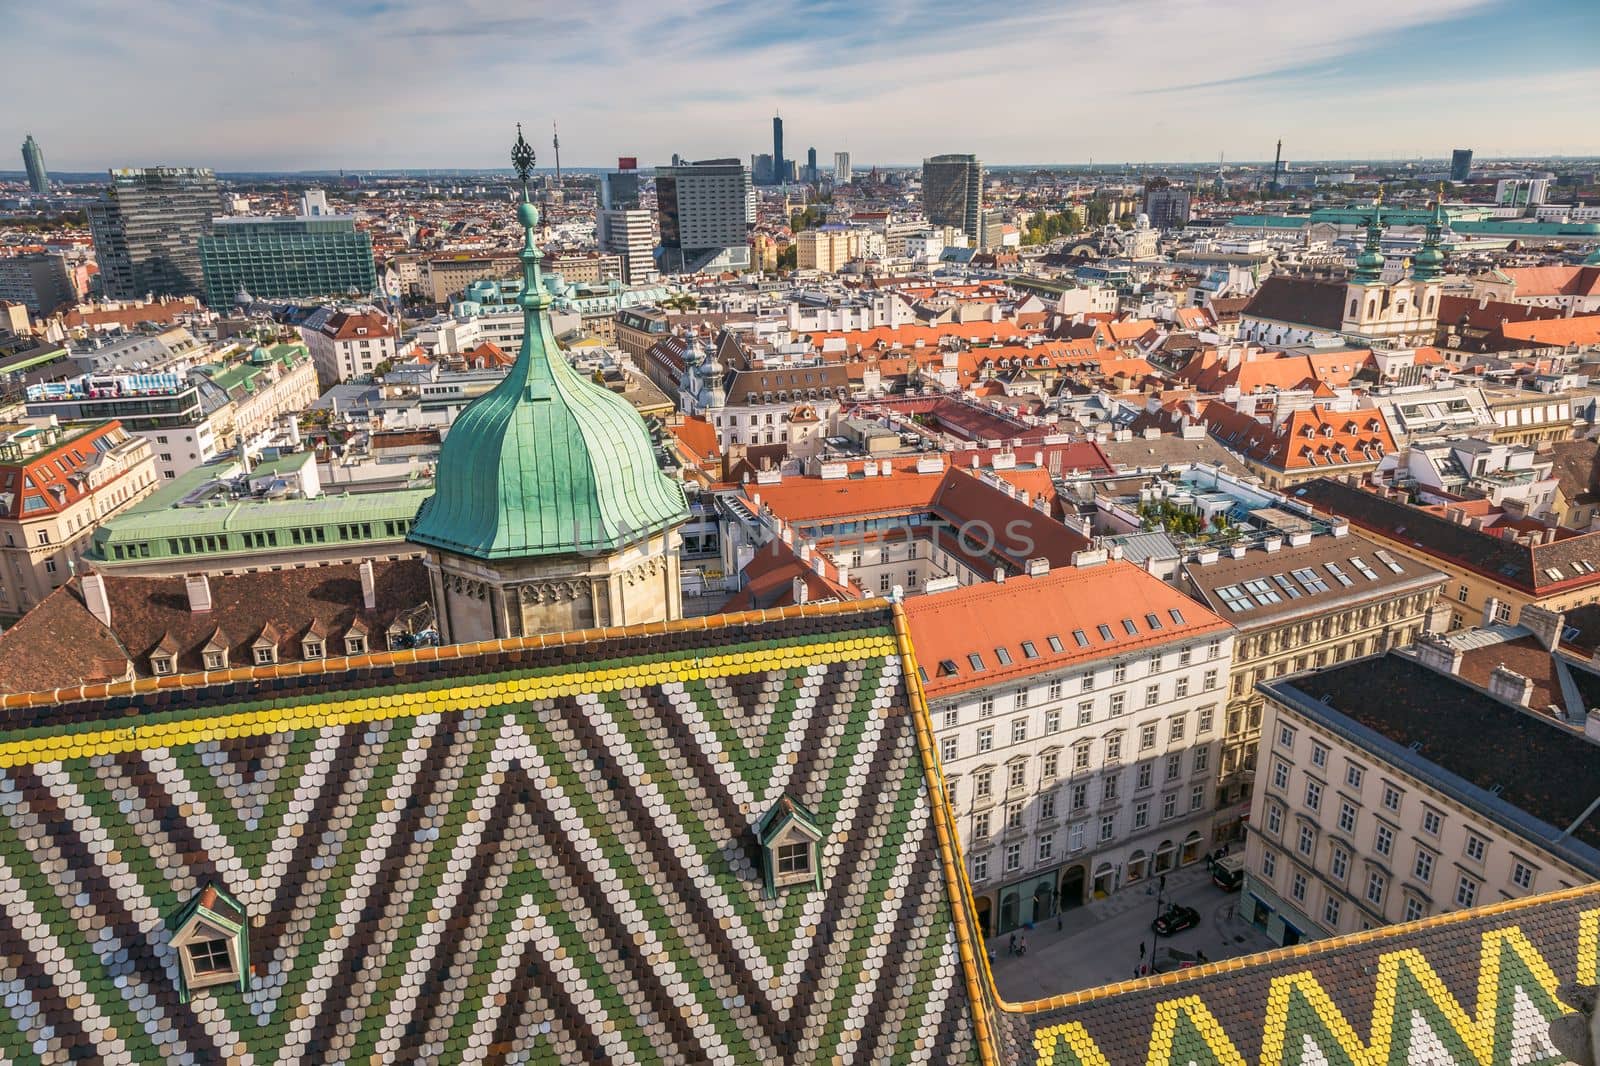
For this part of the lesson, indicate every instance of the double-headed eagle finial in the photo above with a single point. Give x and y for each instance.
(522, 158)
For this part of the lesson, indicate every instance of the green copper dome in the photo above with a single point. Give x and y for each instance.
(548, 462)
(1428, 265)
(1369, 264)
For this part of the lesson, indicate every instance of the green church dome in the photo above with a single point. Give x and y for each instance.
(548, 462)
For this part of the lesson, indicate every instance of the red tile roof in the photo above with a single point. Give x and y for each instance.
(948, 627)
(54, 480)
(1303, 440)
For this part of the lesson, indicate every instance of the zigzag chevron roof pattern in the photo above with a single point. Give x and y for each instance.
(536, 855)
(1473, 987)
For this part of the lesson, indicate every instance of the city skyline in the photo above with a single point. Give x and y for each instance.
(814, 63)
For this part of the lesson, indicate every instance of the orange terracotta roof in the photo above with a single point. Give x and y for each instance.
(697, 437)
(1581, 329)
(908, 336)
(1304, 440)
(1555, 280)
(949, 627)
(811, 499)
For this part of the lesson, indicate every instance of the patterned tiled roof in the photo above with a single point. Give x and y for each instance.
(537, 850)
(1477, 986)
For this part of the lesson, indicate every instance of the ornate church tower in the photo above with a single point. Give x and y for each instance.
(1365, 295)
(1428, 267)
(549, 512)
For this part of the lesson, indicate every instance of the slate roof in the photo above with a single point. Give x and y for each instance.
(1473, 986)
(532, 850)
(1529, 567)
(1511, 760)
(1301, 301)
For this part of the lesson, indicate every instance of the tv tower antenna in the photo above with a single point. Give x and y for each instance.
(555, 141)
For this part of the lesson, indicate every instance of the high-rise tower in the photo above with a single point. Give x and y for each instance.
(33, 163)
(952, 193)
(147, 227)
(780, 169)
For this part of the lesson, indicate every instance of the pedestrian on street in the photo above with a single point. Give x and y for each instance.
(1022, 946)
(1011, 949)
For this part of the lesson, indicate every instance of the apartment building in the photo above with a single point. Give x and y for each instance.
(348, 342)
(57, 484)
(1078, 716)
(1391, 792)
(1300, 602)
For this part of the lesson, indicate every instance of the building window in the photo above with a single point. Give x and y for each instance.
(311, 649)
(1047, 765)
(1020, 698)
(355, 645)
(1080, 797)
(1298, 888)
(1375, 886)
(1108, 827)
(1046, 846)
(1319, 755)
(1414, 909)
(1347, 818)
(1339, 864)
(1207, 718)
(1054, 690)
(1177, 725)
(1280, 775)
(1286, 737)
(986, 739)
(983, 784)
(1209, 682)
(1019, 730)
(1202, 759)
(215, 660)
(1197, 797)
(1423, 867)
(1383, 841)
(1274, 818)
(1118, 702)
(1180, 688)
(952, 718)
(948, 748)
(1086, 683)
(1014, 816)
(1141, 814)
(1080, 755)
(1016, 774)
(980, 826)
(1308, 840)
(1147, 736)
(1476, 847)
(1075, 837)
(1047, 806)
(1109, 788)
(1052, 722)
(1086, 713)
(985, 706)
(1119, 673)
(1169, 806)
(1269, 865)
(1522, 876)
(1431, 822)
(1174, 766)
(1146, 772)
(1391, 797)
(1152, 695)
(161, 665)
(1313, 796)
(1466, 891)
(1113, 747)
(1353, 775)
(1330, 913)
(980, 867)
(266, 655)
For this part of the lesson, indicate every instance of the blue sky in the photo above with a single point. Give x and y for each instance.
(306, 84)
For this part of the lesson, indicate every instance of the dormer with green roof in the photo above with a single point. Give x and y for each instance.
(550, 511)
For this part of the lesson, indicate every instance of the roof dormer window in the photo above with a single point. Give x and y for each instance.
(209, 935)
(161, 664)
(311, 649)
(355, 644)
(788, 834)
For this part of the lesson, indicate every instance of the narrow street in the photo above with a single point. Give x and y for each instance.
(1099, 942)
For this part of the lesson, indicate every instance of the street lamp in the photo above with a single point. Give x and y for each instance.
(1161, 886)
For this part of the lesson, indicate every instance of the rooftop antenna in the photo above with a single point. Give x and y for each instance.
(1277, 165)
(555, 141)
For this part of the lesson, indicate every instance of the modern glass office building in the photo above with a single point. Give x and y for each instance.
(285, 258)
(145, 227)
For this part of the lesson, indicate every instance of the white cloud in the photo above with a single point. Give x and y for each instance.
(300, 84)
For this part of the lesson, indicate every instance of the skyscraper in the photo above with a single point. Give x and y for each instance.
(623, 226)
(706, 210)
(841, 167)
(811, 164)
(33, 163)
(952, 192)
(780, 169)
(1461, 164)
(147, 227)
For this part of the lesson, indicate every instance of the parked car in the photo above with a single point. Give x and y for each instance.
(1175, 919)
(1227, 872)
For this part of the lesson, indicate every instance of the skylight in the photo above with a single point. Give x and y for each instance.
(1176, 615)
(1153, 621)
(1129, 627)
(1078, 635)
(1003, 656)
(1263, 592)
(1361, 565)
(1055, 641)
(1310, 579)
(975, 660)
(1287, 586)
(1234, 598)
(1104, 630)
(947, 667)
(1342, 577)
(1388, 560)
(1028, 650)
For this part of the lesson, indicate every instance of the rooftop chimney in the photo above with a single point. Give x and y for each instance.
(1038, 566)
(1544, 624)
(1510, 685)
(369, 587)
(94, 598)
(802, 591)
(198, 589)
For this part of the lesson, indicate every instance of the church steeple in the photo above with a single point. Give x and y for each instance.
(1429, 262)
(1369, 264)
(547, 488)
